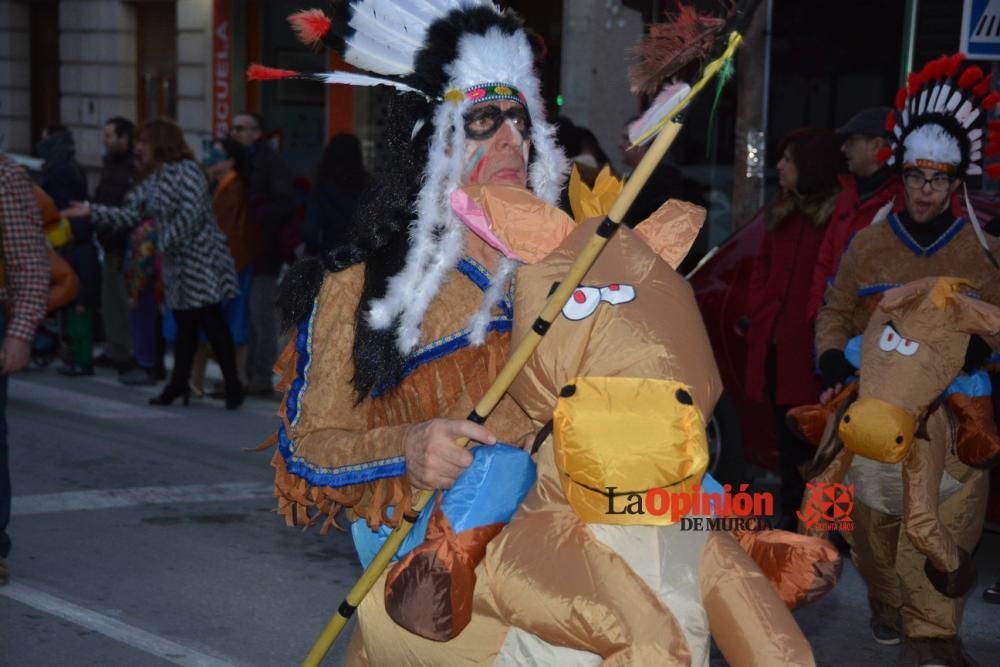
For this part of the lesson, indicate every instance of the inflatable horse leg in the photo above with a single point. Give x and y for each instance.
(931, 621)
(978, 443)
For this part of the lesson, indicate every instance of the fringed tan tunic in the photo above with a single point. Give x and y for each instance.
(336, 453)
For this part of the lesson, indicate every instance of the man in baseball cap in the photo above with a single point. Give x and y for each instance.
(865, 193)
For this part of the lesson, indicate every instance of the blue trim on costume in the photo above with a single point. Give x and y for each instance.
(917, 249)
(475, 272)
(313, 474)
(876, 289)
(458, 340)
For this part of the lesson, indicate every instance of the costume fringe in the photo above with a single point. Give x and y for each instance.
(304, 505)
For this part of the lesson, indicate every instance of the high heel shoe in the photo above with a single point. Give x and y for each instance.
(170, 394)
(234, 397)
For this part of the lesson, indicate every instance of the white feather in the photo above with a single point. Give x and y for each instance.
(931, 142)
(368, 53)
(352, 79)
(922, 104)
(932, 97)
(955, 99)
(975, 156)
(387, 22)
(975, 134)
(942, 98)
(974, 170)
(967, 115)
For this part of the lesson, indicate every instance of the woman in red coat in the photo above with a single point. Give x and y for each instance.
(780, 359)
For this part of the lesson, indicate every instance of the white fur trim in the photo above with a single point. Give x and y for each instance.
(482, 317)
(931, 142)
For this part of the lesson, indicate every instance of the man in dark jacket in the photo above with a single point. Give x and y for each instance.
(867, 193)
(270, 204)
(64, 181)
(117, 178)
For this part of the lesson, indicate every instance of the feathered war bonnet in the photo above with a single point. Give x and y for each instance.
(938, 123)
(455, 53)
(938, 120)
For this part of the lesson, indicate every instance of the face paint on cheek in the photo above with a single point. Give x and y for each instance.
(475, 154)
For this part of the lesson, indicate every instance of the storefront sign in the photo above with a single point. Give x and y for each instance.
(222, 105)
(981, 29)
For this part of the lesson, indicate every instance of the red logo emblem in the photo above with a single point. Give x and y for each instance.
(828, 506)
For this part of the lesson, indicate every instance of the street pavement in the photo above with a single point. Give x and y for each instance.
(146, 536)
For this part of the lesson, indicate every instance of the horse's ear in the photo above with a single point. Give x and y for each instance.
(974, 316)
(901, 297)
(672, 230)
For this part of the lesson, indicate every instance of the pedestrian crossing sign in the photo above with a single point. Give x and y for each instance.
(981, 29)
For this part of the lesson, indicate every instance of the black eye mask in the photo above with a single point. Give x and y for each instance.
(479, 116)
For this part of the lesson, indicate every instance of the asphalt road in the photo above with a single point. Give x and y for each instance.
(146, 536)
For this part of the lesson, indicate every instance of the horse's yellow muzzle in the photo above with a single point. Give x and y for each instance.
(617, 438)
(878, 430)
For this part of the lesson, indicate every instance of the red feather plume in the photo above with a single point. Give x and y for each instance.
(994, 126)
(883, 154)
(311, 25)
(890, 121)
(992, 150)
(993, 171)
(901, 99)
(260, 73)
(970, 78)
(991, 101)
(984, 86)
(913, 83)
(954, 62)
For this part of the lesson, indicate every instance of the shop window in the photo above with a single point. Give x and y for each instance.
(157, 59)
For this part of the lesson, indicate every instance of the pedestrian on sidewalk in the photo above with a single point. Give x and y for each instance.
(64, 181)
(117, 178)
(271, 202)
(198, 271)
(780, 367)
(339, 179)
(24, 288)
(227, 165)
(868, 192)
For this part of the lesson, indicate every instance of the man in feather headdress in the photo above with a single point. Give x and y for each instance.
(407, 322)
(937, 140)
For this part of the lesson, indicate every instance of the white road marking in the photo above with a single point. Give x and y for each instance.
(82, 403)
(145, 641)
(99, 499)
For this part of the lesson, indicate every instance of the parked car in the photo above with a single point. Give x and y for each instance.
(742, 431)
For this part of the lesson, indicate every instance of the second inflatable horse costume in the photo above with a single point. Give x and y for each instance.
(400, 325)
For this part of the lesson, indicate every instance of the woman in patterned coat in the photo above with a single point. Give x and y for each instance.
(198, 271)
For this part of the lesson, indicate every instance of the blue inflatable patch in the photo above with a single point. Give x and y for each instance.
(489, 491)
(976, 384)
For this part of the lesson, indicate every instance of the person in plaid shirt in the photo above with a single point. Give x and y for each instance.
(24, 288)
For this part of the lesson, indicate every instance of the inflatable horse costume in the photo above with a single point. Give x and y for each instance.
(397, 326)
